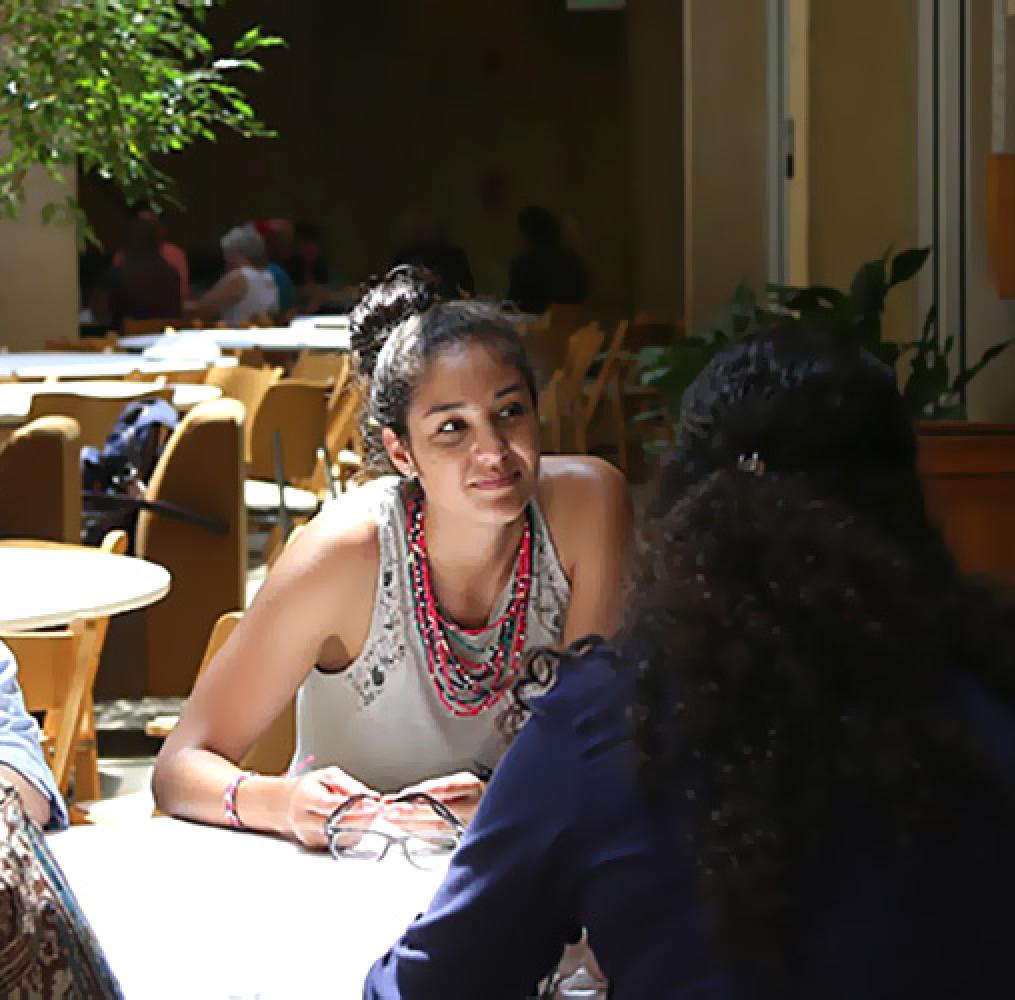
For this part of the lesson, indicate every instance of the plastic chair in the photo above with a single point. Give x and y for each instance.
(273, 752)
(200, 471)
(57, 669)
(95, 415)
(40, 481)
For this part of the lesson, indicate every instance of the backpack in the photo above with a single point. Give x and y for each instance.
(114, 479)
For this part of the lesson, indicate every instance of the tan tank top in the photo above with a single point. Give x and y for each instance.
(380, 719)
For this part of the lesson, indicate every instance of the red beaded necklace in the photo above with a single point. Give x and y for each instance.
(467, 687)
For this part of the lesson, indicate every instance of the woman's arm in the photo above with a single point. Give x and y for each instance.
(589, 513)
(22, 763)
(510, 901)
(313, 593)
(226, 292)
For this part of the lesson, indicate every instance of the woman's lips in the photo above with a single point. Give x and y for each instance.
(498, 482)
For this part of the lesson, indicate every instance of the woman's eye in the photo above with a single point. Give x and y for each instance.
(453, 426)
(512, 410)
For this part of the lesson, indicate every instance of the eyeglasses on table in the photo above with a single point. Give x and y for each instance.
(424, 849)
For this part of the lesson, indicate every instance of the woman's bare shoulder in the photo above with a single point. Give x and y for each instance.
(337, 550)
(567, 478)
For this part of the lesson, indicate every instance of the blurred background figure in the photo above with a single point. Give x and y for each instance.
(171, 253)
(278, 239)
(143, 284)
(247, 289)
(307, 265)
(547, 269)
(424, 242)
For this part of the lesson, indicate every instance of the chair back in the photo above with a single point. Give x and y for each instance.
(95, 415)
(319, 366)
(273, 752)
(582, 347)
(136, 327)
(296, 409)
(40, 481)
(53, 668)
(248, 385)
(202, 470)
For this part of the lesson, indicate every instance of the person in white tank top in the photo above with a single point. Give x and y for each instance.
(401, 614)
(247, 289)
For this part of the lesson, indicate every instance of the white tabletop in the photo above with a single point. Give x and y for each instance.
(16, 397)
(49, 585)
(277, 338)
(99, 364)
(188, 911)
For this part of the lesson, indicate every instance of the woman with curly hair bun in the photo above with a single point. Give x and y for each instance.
(402, 613)
(791, 775)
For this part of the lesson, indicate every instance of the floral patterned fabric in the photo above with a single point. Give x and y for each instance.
(47, 949)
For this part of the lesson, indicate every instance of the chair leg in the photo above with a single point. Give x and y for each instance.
(86, 757)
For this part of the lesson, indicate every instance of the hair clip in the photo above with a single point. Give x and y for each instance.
(751, 464)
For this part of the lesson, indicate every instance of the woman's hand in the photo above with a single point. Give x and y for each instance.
(460, 792)
(314, 797)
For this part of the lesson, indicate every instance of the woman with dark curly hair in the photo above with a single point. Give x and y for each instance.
(401, 614)
(791, 776)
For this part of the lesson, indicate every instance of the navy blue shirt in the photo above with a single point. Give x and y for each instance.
(565, 838)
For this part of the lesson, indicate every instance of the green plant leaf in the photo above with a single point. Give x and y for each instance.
(924, 387)
(990, 354)
(868, 288)
(906, 265)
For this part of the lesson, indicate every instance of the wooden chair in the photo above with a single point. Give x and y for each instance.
(248, 385)
(202, 471)
(95, 415)
(136, 327)
(273, 752)
(57, 671)
(319, 366)
(606, 388)
(564, 401)
(40, 481)
(342, 437)
(547, 338)
(110, 342)
(285, 441)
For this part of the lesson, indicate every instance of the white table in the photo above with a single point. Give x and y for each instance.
(49, 584)
(188, 911)
(16, 397)
(278, 338)
(91, 364)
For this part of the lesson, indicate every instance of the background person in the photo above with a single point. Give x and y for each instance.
(793, 776)
(247, 290)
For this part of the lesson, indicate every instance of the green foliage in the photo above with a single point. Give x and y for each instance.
(111, 85)
(930, 390)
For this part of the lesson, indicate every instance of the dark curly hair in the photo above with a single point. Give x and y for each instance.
(399, 324)
(798, 623)
(796, 627)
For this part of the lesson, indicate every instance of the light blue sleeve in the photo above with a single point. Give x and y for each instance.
(20, 747)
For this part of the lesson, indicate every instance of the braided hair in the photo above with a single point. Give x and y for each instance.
(398, 326)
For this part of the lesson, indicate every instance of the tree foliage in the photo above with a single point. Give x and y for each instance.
(112, 85)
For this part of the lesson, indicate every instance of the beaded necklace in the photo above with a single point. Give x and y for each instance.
(468, 687)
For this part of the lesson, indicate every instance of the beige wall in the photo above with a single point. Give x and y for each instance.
(38, 273)
(858, 141)
(725, 149)
(655, 110)
(988, 317)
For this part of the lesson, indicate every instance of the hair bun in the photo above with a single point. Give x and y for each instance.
(384, 305)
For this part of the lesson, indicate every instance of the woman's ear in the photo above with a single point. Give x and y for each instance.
(398, 453)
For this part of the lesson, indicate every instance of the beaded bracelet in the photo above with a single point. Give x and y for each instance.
(229, 798)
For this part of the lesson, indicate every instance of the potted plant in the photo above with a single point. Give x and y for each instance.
(968, 468)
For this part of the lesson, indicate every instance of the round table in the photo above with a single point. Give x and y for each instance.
(334, 337)
(16, 397)
(46, 584)
(97, 364)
